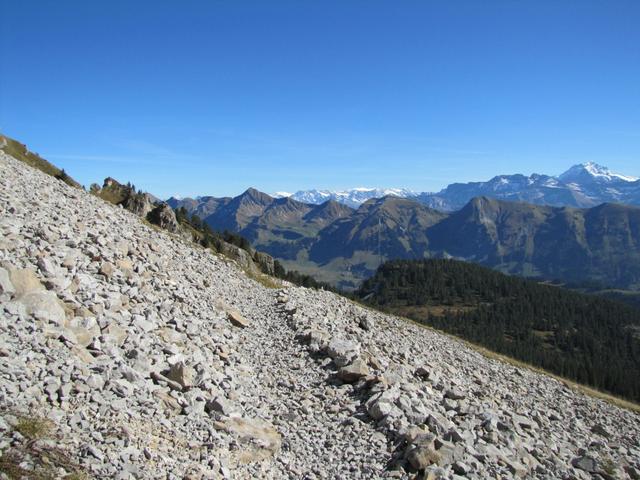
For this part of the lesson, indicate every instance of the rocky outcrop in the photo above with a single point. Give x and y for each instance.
(241, 256)
(129, 350)
(141, 204)
(265, 263)
(164, 217)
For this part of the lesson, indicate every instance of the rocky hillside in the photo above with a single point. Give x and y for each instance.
(126, 352)
(21, 152)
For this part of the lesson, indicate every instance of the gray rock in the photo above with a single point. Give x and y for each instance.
(342, 352)
(25, 281)
(97, 373)
(5, 283)
(599, 429)
(164, 216)
(182, 374)
(420, 457)
(354, 371)
(221, 405)
(454, 394)
(586, 463)
(44, 305)
(236, 318)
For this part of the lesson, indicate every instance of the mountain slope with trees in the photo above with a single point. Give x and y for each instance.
(586, 338)
(343, 246)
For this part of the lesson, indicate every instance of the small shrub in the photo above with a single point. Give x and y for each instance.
(33, 428)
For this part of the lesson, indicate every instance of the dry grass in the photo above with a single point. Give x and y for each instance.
(265, 280)
(20, 152)
(46, 462)
(33, 428)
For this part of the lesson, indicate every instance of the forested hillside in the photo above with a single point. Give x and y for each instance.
(592, 340)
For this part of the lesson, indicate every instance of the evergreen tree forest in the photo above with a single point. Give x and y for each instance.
(586, 338)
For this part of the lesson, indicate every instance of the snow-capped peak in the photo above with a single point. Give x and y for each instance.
(353, 197)
(281, 194)
(594, 171)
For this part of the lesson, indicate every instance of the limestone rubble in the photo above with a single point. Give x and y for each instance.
(155, 358)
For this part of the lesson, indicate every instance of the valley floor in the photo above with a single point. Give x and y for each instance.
(146, 357)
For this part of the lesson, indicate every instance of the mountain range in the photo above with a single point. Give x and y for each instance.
(584, 185)
(343, 246)
(353, 197)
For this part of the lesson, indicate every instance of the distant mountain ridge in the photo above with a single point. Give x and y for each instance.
(343, 246)
(353, 197)
(583, 185)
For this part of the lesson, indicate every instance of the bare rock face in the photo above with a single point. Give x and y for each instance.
(241, 256)
(141, 204)
(124, 338)
(265, 262)
(164, 217)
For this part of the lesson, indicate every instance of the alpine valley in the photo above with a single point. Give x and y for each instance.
(580, 227)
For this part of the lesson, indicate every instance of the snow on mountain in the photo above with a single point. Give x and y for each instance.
(592, 171)
(583, 185)
(281, 194)
(353, 197)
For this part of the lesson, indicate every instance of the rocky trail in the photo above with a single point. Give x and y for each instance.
(127, 352)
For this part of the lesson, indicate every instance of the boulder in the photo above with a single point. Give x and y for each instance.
(140, 204)
(221, 405)
(164, 217)
(342, 352)
(354, 371)
(421, 456)
(182, 374)
(383, 405)
(115, 334)
(454, 394)
(241, 256)
(25, 281)
(366, 322)
(316, 339)
(599, 429)
(5, 283)
(44, 305)
(586, 463)
(107, 269)
(265, 263)
(236, 318)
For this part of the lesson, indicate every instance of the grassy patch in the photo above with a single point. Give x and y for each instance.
(36, 458)
(33, 428)
(20, 152)
(265, 280)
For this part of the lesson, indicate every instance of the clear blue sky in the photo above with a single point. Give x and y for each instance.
(211, 97)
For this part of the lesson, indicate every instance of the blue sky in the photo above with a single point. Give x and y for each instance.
(211, 97)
